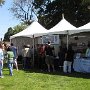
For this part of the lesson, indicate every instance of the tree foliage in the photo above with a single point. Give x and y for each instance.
(49, 12)
(23, 10)
(2, 2)
(8, 34)
(75, 11)
(11, 31)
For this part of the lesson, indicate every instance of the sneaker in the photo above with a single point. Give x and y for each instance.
(11, 74)
(17, 69)
(1, 76)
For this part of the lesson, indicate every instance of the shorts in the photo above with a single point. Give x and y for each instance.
(49, 60)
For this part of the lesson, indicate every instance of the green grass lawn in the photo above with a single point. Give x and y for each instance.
(34, 80)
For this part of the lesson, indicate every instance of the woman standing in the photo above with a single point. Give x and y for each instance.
(1, 60)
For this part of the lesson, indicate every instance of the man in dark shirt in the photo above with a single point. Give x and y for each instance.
(61, 55)
(14, 49)
(68, 60)
(49, 56)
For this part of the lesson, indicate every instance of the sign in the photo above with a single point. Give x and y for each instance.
(53, 38)
(82, 65)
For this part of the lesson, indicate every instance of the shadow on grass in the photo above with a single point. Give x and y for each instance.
(73, 74)
(57, 72)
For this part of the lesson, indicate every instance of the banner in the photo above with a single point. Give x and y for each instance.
(82, 65)
(53, 38)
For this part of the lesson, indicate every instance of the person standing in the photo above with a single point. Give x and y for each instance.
(10, 60)
(49, 53)
(42, 57)
(4, 47)
(88, 51)
(69, 56)
(14, 49)
(1, 60)
(61, 55)
(26, 53)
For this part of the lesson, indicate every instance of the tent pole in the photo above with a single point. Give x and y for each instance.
(33, 52)
(67, 39)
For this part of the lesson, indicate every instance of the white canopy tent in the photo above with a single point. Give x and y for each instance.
(32, 31)
(62, 27)
(35, 29)
(84, 28)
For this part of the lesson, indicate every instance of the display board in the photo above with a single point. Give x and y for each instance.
(54, 39)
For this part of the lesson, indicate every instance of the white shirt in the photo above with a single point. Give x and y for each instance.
(88, 52)
(1, 54)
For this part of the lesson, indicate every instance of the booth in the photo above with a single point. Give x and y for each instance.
(28, 35)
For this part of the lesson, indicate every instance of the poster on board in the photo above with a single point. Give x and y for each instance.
(53, 38)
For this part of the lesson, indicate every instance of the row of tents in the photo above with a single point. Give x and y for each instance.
(36, 30)
(63, 27)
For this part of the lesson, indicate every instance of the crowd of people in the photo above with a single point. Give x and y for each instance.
(8, 53)
(43, 55)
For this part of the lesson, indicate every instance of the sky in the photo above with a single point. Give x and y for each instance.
(7, 19)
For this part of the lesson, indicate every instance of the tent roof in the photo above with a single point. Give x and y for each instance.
(34, 29)
(84, 28)
(62, 27)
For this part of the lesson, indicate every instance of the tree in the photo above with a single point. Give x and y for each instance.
(75, 11)
(8, 34)
(11, 31)
(49, 12)
(23, 10)
(19, 28)
(1, 2)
